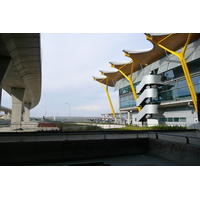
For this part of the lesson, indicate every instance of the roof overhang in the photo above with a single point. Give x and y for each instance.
(105, 80)
(172, 41)
(142, 58)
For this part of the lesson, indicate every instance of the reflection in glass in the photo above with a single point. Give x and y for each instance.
(181, 83)
(183, 92)
(196, 80)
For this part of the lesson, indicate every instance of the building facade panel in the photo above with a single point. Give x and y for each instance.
(175, 104)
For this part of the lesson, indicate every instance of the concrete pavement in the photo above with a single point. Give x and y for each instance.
(131, 160)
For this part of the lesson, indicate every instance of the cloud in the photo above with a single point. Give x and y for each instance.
(69, 62)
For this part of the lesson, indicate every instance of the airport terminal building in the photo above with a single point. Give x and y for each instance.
(160, 85)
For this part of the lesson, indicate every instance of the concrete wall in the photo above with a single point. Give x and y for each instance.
(183, 154)
(178, 111)
(40, 148)
(28, 153)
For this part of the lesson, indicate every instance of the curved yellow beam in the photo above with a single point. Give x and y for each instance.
(129, 79)
(108, 95)
(183, 63)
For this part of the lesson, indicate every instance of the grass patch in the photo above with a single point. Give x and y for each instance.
(73, 127)
(159, 127)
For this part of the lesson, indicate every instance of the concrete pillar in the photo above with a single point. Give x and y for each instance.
(17, 98)
(129, 118)
(27, 107)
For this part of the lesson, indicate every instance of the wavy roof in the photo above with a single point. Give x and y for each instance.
(145, 57)
(103, 80)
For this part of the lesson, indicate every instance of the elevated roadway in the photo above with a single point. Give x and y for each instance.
(20, 72)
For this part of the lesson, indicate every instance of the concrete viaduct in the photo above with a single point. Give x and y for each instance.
(20, 73)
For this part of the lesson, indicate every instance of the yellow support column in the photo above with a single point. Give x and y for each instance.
(129, 79)
(108, 96)
(184, 65)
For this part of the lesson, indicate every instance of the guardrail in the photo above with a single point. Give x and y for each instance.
(172, 135)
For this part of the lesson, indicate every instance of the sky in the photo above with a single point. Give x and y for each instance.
(69, 62)
(76, 43)
(93, 33)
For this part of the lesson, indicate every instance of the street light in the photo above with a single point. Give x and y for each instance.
(69, 108)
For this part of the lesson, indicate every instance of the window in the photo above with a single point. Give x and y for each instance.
(161, 119)
(135, 84)
(197, 88)
(181, 83)
(183, 92)
(169, 95)
(178, 71)
(170, 119)
(176, 119)
(125, 90)
(194, 66)
(196, 80)
(127, 101)
(182, 119)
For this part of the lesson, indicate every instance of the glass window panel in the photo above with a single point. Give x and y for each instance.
(181, 83)
(162, 119)
(169, 74)
(123, 104)
(125, 98)
(167, 87)
(193, 67)
(169, 95)
(198, 63)
(135, 84)
(155, 100)
(197, 88)
(125, 90)
(171, 86)
(170, 119)
(178, 71)
(127, 101)
(182, 119)
(196, 80)
(183, 92)
(176, 119)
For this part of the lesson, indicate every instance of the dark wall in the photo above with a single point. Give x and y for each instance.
(30, 153)
(183, 154)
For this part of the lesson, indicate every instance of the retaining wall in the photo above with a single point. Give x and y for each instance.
(30, 153)
(181, 153)
(35, 148)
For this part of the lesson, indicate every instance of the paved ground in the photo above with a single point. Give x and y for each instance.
(132, 160)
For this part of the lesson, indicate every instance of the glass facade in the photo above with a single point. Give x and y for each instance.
(175, 86)
(175, 119)
(125, 90)
(127, 101)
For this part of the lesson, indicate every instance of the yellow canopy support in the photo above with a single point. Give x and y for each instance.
(129, 79)
(183, 63)
(108, 96)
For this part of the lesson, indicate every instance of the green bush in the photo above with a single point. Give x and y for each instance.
(159, 127)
